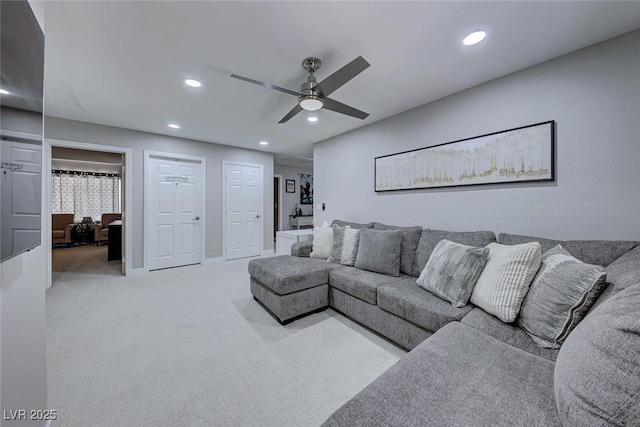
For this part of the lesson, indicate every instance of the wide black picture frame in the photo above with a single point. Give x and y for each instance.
(522, 154)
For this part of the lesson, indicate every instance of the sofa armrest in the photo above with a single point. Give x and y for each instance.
(96, 232)
(302, 249)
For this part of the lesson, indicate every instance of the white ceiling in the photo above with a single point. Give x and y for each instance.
(122, 63)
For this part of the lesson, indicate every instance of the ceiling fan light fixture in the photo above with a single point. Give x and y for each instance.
(311, 103)
(312, 119)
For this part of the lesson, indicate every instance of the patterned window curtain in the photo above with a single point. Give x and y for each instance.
(85, 195)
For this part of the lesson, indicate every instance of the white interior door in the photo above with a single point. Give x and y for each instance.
(243, 210)
(174, 211)
(21, 179)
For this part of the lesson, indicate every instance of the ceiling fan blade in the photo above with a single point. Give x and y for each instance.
(342, 76)
(339, 107)
(267, 85)
(291, 113)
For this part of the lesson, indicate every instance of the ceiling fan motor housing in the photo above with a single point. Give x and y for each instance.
(310, 100)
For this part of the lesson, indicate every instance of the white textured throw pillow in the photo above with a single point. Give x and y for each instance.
(506, 278)
(322, 242)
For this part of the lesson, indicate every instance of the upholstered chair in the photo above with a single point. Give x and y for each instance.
(101, 230)
(61, 225)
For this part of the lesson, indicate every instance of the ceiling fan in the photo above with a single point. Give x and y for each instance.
(312, 95)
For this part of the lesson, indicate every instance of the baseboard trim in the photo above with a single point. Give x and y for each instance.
(135, 272)
(212, 260)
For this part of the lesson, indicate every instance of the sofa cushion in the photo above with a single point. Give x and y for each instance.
(345, 245)
(621, 274)
(452, 271)
(57, 234)
(286, 274)
(598, 252)
(407, 300)
(359, 283)
(352, 224)
(559, 297)
(506, 278)
(410, 239)
(430, 238)
(457, 377)
(322, 242)
(508, 333)
(379, 251)
(597, 374)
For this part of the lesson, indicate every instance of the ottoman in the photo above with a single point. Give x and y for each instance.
(290, 287)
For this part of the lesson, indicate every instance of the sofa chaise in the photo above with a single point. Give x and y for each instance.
(466, 366)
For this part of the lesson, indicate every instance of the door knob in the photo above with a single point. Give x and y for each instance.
(257, 216)
(196, 218)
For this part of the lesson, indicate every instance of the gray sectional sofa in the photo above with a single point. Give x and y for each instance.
(466, 367)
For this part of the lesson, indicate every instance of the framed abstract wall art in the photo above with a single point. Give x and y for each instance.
(524, 154)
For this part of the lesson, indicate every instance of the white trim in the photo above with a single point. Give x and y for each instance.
(281, 179)
(135, 272)
(126, 212)
(268, 252)
(147, 188)
(224, 202)
(213, 260)
(20, 136)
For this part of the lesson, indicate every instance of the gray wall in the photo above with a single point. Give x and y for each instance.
(20, 121)
(592, 94)
(289, 200)
(68, 130)
(23, 374)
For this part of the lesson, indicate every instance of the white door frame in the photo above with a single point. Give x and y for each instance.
(147, 211)
(281, 179)
(224, 203)
(46, 182)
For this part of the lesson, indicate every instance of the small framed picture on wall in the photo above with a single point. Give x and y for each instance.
(291, 186)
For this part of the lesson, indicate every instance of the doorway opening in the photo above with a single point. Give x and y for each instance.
(86, 196)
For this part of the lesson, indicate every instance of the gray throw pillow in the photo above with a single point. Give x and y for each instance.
(596, 374)
(452, 271)
(430, 238)
(559, 297)
(345, 245)
(410, 239)
(379, 251)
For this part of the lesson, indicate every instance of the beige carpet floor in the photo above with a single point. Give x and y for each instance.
(82, 263)
(190, 347)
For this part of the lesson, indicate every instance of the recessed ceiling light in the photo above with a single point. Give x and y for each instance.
(4, 92)
(174, 126)
(264, 143)
(192, 83)
(474, 38)
(312, 119)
